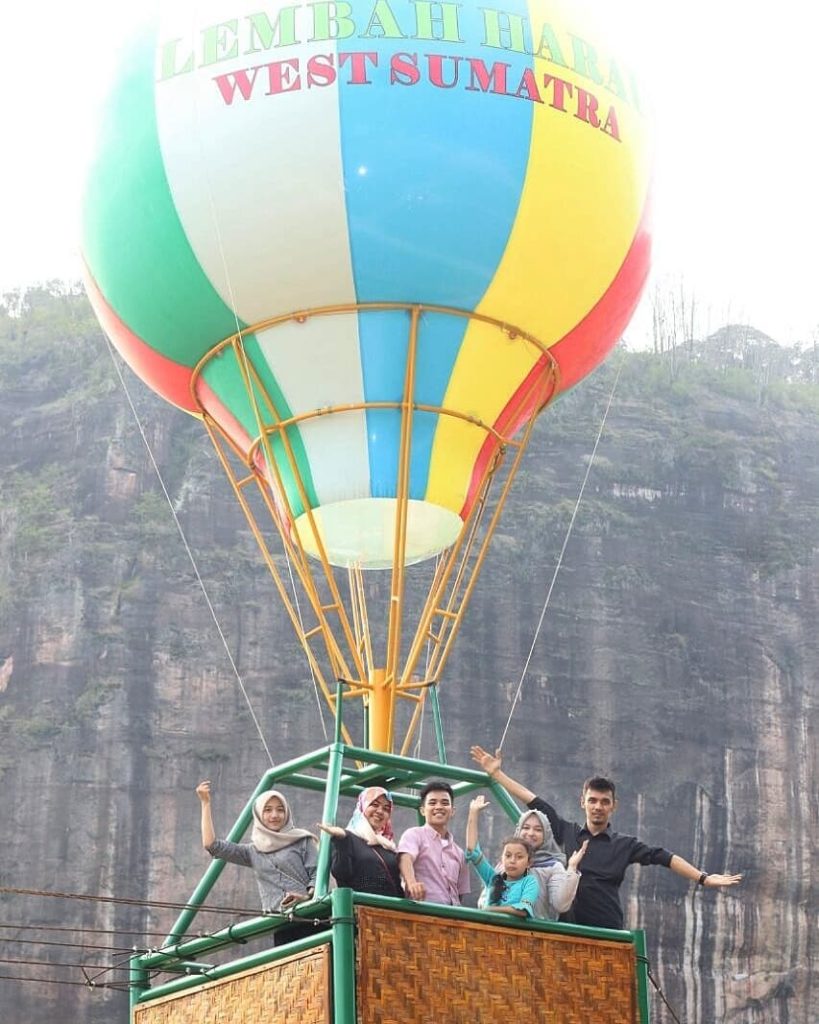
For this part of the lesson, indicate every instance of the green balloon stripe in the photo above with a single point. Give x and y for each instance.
(128, 196)
(225, 378)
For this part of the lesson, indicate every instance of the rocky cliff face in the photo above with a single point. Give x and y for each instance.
(679, 655)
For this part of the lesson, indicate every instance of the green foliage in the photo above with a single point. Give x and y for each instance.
(43, 514)
(39, 728)
(46, 333)
(152, 521)
(96, 693)
(179, 645)
(627, 577)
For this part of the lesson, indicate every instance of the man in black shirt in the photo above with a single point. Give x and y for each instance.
(608, 854)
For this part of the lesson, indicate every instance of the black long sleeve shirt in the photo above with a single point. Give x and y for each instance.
(365, 868)
(602, 869)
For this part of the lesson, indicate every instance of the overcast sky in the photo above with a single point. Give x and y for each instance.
(736, 199)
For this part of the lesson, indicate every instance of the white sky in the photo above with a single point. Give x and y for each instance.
(736, 194)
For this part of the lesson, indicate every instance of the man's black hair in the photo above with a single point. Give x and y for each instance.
(432, 787)
(601, 784)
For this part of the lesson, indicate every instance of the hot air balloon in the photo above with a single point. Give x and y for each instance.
(367, 242)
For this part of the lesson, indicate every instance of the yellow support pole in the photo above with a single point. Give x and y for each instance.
(378, 712)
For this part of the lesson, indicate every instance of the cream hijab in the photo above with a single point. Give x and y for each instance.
(265, 839)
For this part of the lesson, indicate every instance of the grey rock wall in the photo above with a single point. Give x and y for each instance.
(678, 655)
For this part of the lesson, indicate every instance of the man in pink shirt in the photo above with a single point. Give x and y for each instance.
(431, 863)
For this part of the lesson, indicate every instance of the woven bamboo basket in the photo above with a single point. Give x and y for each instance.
(426, 970)
(292, 991)
(421, 969)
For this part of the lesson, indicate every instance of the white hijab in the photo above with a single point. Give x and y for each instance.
(265, 839)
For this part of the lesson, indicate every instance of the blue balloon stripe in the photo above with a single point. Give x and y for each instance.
(429, 212)
(383, 340)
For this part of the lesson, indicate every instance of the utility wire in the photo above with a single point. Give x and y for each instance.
(516, 698)
(74, 929)
(123, 901)
(122, 987)
(129, 950)
(57, 963)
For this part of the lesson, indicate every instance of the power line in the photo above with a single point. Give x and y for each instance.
(63, 963)
(114, 986)
(123, 901)
(130, 950)
(82, 929)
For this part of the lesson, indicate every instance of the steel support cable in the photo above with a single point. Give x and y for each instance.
(124, 950)
(655, 983)
(90, 982)
(57, 963)
(190, 554)
(124, 901)
(122, 962)
(559, 564)
(113, 986)
(81, 929)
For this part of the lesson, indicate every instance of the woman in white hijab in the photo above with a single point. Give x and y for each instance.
(282, 857)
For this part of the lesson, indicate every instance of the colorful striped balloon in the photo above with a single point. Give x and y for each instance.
(263, 160)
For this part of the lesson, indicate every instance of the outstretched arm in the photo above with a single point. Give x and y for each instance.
(491, 764)
(681, 867)
(332, 830)
(208, 831)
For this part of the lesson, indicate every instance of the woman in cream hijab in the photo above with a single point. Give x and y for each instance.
(282, 857)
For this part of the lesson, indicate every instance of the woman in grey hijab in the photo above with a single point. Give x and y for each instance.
(558, 884)
(283, 857)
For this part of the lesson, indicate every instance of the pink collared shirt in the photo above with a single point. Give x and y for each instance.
(438, 862)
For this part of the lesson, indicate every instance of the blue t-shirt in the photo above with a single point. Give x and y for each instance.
(522, 893)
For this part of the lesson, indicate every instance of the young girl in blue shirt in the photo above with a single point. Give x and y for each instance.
(512, 890)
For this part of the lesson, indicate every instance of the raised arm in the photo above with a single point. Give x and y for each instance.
(577, 856)
(491, 764)
(208, 831)
(477, 805)
(681, 867)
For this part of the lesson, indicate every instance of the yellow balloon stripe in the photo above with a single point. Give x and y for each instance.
(580, 206)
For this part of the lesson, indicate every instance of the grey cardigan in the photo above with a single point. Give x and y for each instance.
(291, 869)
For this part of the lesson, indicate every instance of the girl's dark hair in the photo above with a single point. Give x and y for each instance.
(499, 881)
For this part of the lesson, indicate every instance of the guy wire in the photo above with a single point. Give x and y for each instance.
(189, 553)
(516, 698)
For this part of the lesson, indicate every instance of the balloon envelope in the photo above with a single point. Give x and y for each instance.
(258, 161)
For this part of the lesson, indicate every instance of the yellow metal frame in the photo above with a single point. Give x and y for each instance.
(338, 641)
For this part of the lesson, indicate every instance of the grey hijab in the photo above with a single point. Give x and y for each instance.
(549, 852)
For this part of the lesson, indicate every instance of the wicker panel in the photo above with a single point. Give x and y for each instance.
(424, 970)
(292, 991)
